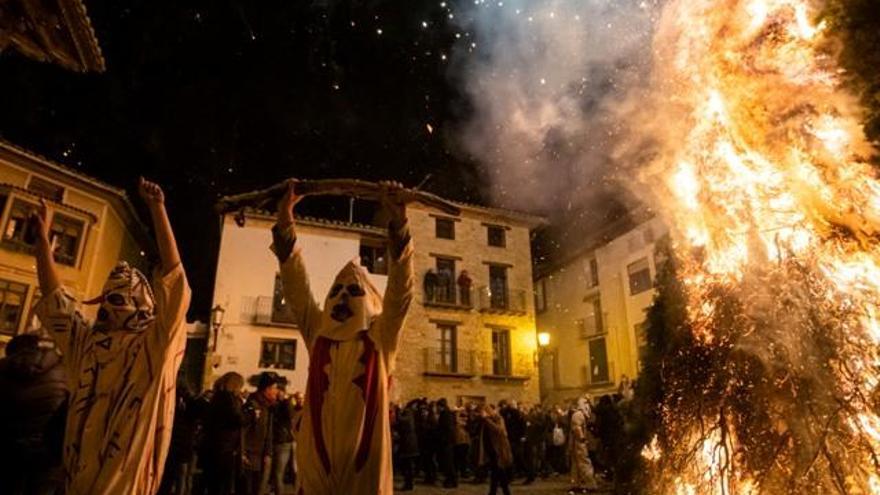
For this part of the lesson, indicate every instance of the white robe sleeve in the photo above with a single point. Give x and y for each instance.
(398, 294)
(167, 338)
(59, 313)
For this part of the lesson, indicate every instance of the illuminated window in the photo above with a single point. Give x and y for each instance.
(278, 354)
(639, 276)
(65, 235)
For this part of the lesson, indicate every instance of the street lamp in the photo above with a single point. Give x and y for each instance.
(543, 339)
(217, 313)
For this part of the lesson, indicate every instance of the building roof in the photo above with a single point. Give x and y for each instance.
(563, 251)
(59, 31)
(532, 220)
(114, 195)
(319, 222)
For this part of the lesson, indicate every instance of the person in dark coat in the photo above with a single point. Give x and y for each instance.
(221, 444)
(464, 283)
(430, 284)
(515, 423)
(256, 439)
(495, 450)
(427, 430)
(34, 390)
(180, 461)
(446, 449)
(536, 426)
(408, 443)
(282, 439)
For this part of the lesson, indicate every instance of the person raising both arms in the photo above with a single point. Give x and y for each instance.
(122, 366)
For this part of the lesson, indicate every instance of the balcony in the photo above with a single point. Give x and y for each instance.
(451, 297)
(598, 380)
(592, 326)
(519, 367)
(265, 313)
(510, 301)
(448, 363)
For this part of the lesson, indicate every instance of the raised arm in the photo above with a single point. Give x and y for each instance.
(294, 279)
(153, 196)
(399, 290)
(47, 273)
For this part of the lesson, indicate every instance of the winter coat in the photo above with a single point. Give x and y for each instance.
(408, 443)
(257, 432)
(447, 425)
(33, 385)
(461, 433)
(282, 423)
(223, 422)
(494, 447)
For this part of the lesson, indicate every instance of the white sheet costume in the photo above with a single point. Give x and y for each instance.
(344, 435)
(122, 373)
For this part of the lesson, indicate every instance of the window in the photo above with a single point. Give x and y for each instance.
(46, 189)
(16, 235)
(541, 295)
(281, 312)
(445, 291)
(598, 361)
(593, 320)
(374, 258)
(501, 352)
(592, 273)
(448, 356)
(648, 235)
(445, 228)
(278, 354)
(12, 296)
(498, 287)
(639, 276)
(65, 235)
(497, 235)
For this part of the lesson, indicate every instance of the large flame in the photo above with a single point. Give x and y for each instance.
(762, 173)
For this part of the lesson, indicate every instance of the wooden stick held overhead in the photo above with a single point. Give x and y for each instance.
(267, 199)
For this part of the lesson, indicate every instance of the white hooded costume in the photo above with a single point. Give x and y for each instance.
(582, 472)
(122, 371)
(344, 435)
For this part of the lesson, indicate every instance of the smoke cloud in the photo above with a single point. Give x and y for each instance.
(544, 80)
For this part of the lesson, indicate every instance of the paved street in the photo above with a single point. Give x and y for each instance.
(558, 485)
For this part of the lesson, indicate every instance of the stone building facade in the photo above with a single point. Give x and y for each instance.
(593, 304)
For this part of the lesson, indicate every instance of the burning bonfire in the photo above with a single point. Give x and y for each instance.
(761, 167)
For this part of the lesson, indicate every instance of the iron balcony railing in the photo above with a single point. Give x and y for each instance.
(445, 361)
(502, 301)
(452, 296)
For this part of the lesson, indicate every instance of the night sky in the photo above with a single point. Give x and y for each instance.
(219, 97)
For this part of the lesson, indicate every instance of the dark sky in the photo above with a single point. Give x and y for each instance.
(224, 96)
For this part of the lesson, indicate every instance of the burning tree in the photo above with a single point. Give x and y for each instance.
(765, 334)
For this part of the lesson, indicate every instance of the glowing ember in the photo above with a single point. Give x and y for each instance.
(761, 170)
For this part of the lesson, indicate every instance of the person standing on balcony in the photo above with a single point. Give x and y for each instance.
(344, 438)
(123, 367)
(445, 290)
(430, 285)
(464, 288)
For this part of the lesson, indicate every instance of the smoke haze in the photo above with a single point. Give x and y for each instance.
(544, 79)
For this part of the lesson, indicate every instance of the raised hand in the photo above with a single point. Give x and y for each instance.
(393, 201)
(40, 217)
(150, 192)
(286, 204)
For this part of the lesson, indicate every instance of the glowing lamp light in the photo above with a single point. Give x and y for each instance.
(543, 339)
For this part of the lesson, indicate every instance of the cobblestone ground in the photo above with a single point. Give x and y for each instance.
(551, 486)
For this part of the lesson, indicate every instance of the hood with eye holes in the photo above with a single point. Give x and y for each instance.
(351, 305)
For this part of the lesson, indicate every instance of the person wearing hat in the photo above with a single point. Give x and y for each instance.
(122, 367)
(257, 441)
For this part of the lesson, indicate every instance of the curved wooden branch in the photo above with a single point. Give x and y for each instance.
(266, 199)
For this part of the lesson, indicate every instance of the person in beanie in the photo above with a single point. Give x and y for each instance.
(33, 385)
(257, 443)
(122, 367)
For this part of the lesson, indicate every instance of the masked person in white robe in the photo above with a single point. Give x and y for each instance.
(344, 437)
(122, 367)
(583, 477)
